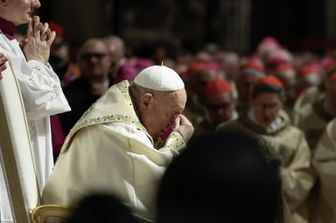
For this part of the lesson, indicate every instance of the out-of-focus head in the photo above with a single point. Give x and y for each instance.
(266, 47)
(160, 98)
(101, 208)
(229, 61)
(203, 56)
(227, 177)
(18, 11)
(267, 99)
(131, 67)
(276, 58)
(250, 72)
(307, 76)
(287, 75)
(94, 61)
(220, 103)
(116, 49)
(199, 74)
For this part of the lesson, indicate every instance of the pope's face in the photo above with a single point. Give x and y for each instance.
(19, 11)
(164, 112)
(266, 107)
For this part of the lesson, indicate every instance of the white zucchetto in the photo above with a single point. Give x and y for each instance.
(159, 78)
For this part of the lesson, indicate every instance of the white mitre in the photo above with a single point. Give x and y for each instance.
(159, 78)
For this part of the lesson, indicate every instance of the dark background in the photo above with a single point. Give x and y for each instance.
(232, 24)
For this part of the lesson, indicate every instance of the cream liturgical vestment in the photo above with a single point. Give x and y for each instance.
(288, 143)
(42, 95)
(312, 119)
(109, 150)
(324, 161)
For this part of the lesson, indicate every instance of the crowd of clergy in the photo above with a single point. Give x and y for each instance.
(287, 99)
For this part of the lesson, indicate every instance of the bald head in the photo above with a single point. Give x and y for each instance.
(115, 47)
(93, 44)
(116, 50)
(94, 61)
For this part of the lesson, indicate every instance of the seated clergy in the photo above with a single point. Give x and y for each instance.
(113, 149)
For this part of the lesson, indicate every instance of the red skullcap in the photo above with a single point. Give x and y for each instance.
(253, 64)
(284, 67)
(200, 66)
(195, 67)
(270, 80)
(55, 26)
(217, 87)
(307, 70)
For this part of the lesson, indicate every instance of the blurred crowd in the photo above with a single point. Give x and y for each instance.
(287, 99)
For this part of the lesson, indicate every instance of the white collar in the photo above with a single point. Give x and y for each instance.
(273, 127)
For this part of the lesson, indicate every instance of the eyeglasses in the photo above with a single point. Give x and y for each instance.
(87, 56)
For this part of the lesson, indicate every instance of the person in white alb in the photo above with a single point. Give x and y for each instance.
(40, 87)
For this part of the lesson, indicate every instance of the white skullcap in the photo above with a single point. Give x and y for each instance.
(159, 78)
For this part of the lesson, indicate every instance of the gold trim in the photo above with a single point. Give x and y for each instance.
(42, 212)
(86, 121)
(175, 141)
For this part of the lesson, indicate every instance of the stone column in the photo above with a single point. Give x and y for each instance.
(235, 25)
(330, 18)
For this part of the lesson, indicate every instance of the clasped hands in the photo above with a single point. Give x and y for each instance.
(39, 39)
(37, 44)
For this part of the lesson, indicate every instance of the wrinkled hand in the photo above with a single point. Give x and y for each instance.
(3, 61)
(184, 127)
(38, 42)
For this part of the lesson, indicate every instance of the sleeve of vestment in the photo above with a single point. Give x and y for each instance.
(39, 85)
(297, 177)
(175, 142)
(324, 162)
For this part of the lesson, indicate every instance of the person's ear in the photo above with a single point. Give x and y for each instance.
(146, 102)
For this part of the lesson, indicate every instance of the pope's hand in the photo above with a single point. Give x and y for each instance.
(38, 42)
(184, 127)
(3, 61)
